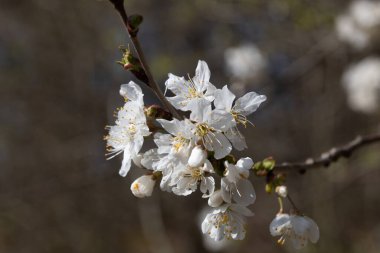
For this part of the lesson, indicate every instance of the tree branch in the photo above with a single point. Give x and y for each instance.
(331, 156)
(119, 6)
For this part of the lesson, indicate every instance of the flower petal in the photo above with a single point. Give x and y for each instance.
(202, 76)
(244, 193)
(224, 99)
(249, 103)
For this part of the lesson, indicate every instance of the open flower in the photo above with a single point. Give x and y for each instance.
(185, 179)
(235, 185)
(244, 106)
(226, 221)
(298, 229)
(180, 140)
(189, 93)
(128, 134)
(209, 129)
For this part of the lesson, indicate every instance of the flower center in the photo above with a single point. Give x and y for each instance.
(179, 142)
(196, 173)
(240, 118)
(202, 129)
(132, 129)
(192, 93)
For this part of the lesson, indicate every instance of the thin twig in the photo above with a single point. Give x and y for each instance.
(119, 6)
(330, 156)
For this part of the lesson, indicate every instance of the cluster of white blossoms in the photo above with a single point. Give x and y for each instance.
(193, 152)
(359, 25)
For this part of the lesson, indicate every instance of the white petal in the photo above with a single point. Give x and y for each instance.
(313, 230)
(249, 103)
(241, 210)
(219, 144)
(200, 110)
(202, 76)
(175, 84)
(221, 120)
(224, 99)
(244, 163)
(225, 188)
(178, 102)
(198, 157)
(215, 199)
(236, 138)
(137, 160)
(171, 126)
(279, 221)
(126, 164)
(245, 193)
(298, 243)
(148, 159)
(207, 167)
(207, 185)
(132, 91)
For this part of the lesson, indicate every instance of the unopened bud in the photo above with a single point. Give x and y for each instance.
(143, 186)
(282, 191)
(198, 157)
(215, 199)
(134, 21)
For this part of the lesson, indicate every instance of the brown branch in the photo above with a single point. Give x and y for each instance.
(119, 6)
(331, 156)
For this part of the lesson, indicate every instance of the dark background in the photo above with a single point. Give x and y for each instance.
(59, 87)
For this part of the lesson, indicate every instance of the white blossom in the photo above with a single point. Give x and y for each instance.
(298, 229)
(362, 84)
(226, 222)
(143, 186)
(209, 130)
(180, 140)
(244, 106)
(128, 134)
(132, 91)
(235, 185)
(190, 93)
(185, 179)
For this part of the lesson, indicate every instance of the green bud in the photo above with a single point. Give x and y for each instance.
(257, 166)
(134, 21)
(268, 163)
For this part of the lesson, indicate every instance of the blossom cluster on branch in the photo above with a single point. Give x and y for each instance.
(195, 152)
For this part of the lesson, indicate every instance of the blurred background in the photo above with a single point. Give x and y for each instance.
(318, 62)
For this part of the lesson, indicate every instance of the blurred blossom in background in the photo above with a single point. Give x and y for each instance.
(359, 24)
(245, 63)
(362, 84)
(316, 61)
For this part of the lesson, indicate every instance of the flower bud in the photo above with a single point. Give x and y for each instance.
(143, 186)
(198, 157)
(282, 191)
(215, 199)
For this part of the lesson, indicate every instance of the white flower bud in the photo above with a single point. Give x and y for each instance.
(282, 191)
(143, 186)
(215, 199)
(198, 157)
